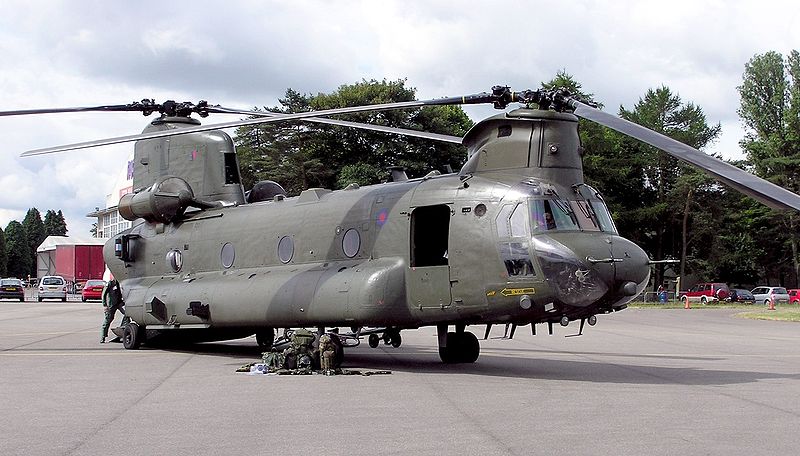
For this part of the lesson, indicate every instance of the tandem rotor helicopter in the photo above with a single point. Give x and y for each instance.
(515, 236)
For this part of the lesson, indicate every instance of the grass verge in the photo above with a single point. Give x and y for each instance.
(780, 314)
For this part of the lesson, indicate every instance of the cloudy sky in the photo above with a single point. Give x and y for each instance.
(247, 53)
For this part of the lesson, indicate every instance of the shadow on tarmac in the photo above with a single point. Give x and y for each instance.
(414, 359)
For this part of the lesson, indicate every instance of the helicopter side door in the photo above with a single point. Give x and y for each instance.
(429, 275)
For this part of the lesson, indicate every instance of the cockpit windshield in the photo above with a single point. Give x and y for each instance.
(552, 214)
(570, 215)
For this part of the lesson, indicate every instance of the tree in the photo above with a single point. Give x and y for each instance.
(54, 223)
(34, 229)
(668, 183)
(18, 261)
(770, 111)
(3, 254)
(300, 155)
(650, 194)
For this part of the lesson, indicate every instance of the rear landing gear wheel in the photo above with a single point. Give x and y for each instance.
(132, 336)
(338, 358)
(396, 340)
(265, 337)
(374, 340)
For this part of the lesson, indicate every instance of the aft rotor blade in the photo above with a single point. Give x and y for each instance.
(747, 183)
(469, 99)
(362, 126)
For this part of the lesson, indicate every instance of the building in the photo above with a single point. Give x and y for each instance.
(74, 259)
(109, 223)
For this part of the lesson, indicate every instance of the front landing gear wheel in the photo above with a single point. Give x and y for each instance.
(132, 336)
(461, 348)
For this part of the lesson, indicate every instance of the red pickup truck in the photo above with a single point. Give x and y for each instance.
(707, 292)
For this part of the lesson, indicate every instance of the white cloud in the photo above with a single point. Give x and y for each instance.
(248, 53)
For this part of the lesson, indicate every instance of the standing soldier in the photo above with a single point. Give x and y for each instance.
(112, 302)
(326, 354)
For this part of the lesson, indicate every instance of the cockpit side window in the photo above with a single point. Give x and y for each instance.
(231, 168)
(514, 240)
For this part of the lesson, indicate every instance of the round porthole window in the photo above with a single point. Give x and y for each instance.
(227, 255)
(351, 242)
(174, 260)
(285, 249)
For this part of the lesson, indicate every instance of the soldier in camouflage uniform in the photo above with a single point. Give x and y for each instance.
(112, 302)
(327, 352)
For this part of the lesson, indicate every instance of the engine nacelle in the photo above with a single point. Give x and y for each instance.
(165, 200)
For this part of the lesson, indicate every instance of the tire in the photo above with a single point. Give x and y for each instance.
(461, 348)
(40, 299)
(766, 302)
(703, 300)
(265, 338)
(447, 354)
(339, 356)
(374, 340)
(83, 298)
(21, 299)
(64, 299)
(470, 348)
(132, 336)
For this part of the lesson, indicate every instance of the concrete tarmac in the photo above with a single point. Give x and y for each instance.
(655, 382)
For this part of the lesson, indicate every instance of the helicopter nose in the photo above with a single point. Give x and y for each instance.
(632, 273)
(573, 281)
(593, 267)
(621, 264)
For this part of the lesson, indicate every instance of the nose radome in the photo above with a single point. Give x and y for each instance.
(633, 272)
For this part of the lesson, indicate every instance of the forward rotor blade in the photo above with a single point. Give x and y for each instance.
(109, 108)
(764, 191)
(470, 99)
(362, 126)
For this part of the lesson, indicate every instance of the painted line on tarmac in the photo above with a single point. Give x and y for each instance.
(87, 331)
(79, 353)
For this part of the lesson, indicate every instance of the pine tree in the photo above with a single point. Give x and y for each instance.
(18, 260)
(35, 231)
(54, 223)
(3, 255)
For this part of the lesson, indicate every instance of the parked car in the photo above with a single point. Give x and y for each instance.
(777, 295)
(92, 289)
(741, 296)
(53, 287)
(794, 296)
(707, 292)
(12, 289)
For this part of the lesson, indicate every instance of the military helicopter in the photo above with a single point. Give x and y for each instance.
(516, 236)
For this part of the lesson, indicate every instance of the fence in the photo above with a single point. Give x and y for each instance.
(654, 296)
